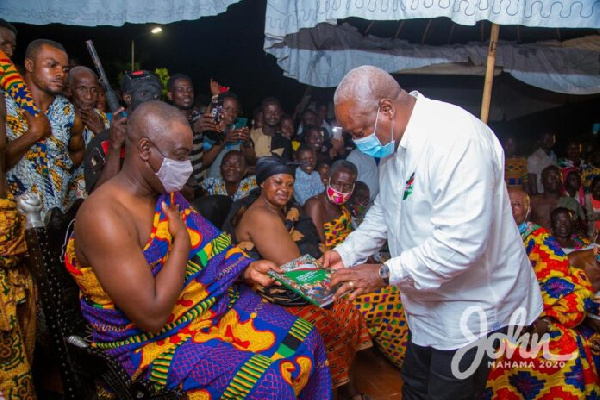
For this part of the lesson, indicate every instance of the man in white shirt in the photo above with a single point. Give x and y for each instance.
(457, 257)
(541, 158)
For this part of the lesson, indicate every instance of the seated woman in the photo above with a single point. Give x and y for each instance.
(561, 226)
(263, 225)
(162, 288)
(566, 291)
(232, 182)
(383, 309)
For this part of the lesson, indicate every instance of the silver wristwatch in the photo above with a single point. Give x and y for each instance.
(384, 274)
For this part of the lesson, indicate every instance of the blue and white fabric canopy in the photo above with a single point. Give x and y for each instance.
(309, 45)
(109, 12)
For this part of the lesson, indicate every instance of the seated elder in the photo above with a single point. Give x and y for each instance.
(232, 182)
(265, 226)
(307, 181)
(562, 223)
(161, 288)
(382, 310)
(566, 291)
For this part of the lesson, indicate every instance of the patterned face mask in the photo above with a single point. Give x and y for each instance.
(337, 197)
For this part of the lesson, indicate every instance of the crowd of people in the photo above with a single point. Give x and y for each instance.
(185, 205)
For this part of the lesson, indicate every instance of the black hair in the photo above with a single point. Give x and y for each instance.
(34, 47)
(270, 100)
(558, 210)
(5, 24)
(549, 168)
(174, 78)
(303, 147)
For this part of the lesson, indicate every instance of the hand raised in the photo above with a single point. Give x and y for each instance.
(93, 121)
(118, 129)
(177, 228)
(38, 126)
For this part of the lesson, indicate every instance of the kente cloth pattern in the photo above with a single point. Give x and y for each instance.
(566, 292)
(382, 310)
(515, 171)
(588, 173)
(221, 341)
(46, 169)
(13, 85)
(17, 307)
(338, 229)
(342, 327)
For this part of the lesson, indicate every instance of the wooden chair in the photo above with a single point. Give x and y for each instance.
(83, 369)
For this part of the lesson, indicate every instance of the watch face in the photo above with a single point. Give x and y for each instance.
(384, 271)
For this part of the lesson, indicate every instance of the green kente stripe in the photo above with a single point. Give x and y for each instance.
(246, 377)
(159, 370)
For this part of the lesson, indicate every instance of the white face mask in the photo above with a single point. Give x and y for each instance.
(174, 174)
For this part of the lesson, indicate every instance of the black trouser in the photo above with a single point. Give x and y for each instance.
(428, 375)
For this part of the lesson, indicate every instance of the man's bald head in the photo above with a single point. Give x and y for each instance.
(152, 119)
(365, 86)
(81, 71)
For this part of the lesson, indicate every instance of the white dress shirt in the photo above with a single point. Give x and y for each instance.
(453, 241)
(536, 163)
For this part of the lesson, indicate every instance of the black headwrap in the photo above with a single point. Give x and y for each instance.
(273, 165)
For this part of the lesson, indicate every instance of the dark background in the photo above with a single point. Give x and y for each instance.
(228, 48)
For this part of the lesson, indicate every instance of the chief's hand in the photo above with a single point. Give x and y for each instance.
(355, 281)
(177, 228)
(332, 259)
(257, 273)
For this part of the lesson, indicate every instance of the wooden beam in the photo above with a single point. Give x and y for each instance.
(369, 27)
(399, 29)
(451, 33)
(426, 30)
(489, 74)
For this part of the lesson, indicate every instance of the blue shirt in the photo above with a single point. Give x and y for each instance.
(307, 186)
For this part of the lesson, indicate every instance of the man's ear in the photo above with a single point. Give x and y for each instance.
(170, 96)
(29, 65)
(387, 108)
(143, 147)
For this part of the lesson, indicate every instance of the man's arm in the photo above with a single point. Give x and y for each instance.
(76, 142)
(37, 129)
(113, 251)
(113, 158)
(370, 235)
(463, 210)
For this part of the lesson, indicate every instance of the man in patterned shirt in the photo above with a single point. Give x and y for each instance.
(42, 151)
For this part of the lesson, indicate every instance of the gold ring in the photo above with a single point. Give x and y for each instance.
(351, 284)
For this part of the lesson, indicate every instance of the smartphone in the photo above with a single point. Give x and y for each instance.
(240, 123)
(336, 132)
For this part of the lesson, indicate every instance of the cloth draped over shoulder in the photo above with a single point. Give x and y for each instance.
(17, 307)
(221, 340)
(566, 293)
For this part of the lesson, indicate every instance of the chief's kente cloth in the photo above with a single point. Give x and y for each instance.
(222, 341)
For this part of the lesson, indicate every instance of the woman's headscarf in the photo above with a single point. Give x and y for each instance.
(273, 165)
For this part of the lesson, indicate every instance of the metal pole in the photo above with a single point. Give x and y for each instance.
(132, 52)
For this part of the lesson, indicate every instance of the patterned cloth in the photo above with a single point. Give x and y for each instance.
(222, 340)
(17, 307)
(13, 85)
(342, 327)
(515, 171)
(217, 186)
(588, 173)
(45, 169)
(88, 134)
(566, 291)
(382, 310)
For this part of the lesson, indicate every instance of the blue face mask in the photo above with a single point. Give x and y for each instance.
(371, 146)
